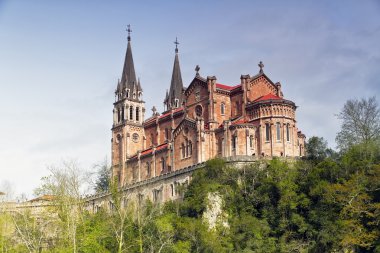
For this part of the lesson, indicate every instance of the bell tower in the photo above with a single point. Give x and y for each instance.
(128, 116)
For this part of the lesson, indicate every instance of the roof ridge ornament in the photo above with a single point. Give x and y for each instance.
(261, 66)
(197, 68)
(129, 30)
(176, 45)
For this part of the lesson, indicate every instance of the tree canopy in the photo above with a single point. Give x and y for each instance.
(360, 123)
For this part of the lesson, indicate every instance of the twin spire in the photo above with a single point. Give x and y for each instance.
(129, 85)
(174, 97)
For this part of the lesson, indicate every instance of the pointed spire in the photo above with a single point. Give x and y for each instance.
(176, 85)
(128, 78)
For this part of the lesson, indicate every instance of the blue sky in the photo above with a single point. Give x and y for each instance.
(60, 61)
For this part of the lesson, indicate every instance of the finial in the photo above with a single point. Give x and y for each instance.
(197, 68)
(154, 110)
(261, 66)
(176, 44)
(129, 32)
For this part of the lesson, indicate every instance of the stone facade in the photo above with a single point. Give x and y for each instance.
(203, 121)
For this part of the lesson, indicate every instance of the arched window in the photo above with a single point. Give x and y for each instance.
(222, 108)
(118, 115)
(234, 142)
(267, 132)
(183, 150)
(176, 103)
(190, 148)
(127, 93)
(278, 131)
(251, 141)
(122, 113)
(137, 113)
(287, 133)
(198, 110)
(131, 112)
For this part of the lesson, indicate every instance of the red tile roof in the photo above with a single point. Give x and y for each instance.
(169, 112)
(43, 198)
(150, 150)
(240, 121)
(162, 146)
(147, 151)
(269, 96)
(226, 87)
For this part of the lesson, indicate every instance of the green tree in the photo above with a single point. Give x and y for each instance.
(103, 179)
(360, 123)
(316, 149)
(66, 184)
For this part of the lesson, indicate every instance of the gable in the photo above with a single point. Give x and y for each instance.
(260, 86)
(198, 84)
(185, 123)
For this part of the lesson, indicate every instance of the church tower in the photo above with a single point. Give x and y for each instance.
(128, 116)
(174, 97)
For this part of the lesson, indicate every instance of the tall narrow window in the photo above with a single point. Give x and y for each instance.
(190, 148)
(148, 169)
(122, 113)
(267, 132)
(166, 134)
(127, 93)
(118, 115)
(162, 164)
(183, 150)
(278, 131)
(131, 112)
(151, 139)
(234, 142)
(287, 133)
(237, 108)
(222, 108)
(176, 103)
(137, 113)
(187, 148)
(251, 141)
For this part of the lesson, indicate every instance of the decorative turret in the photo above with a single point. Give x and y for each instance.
(175, 97)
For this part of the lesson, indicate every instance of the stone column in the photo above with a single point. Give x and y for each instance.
(271, 138)
(247, 142)
(139, 165)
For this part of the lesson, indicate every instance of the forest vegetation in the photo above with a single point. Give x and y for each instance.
(328, 201)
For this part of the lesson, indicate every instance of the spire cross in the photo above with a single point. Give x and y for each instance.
(261, 66)
(129, 32)
(176, 44)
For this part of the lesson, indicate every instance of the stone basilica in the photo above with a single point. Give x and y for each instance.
(202, 121)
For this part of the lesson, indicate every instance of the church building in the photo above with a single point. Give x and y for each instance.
(202, 121)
